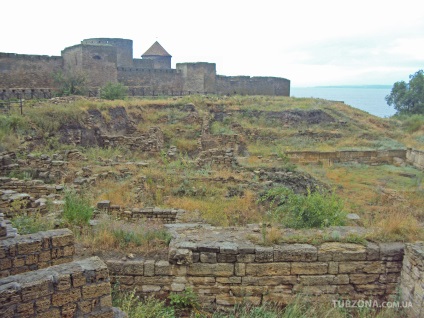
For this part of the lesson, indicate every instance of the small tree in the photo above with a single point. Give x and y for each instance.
(113, 91)
(408, 98)
(70, 83)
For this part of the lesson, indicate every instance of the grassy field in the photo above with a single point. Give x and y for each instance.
(387, 198)
(267, 126)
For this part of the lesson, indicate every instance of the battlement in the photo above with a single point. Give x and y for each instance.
(148, 70)
(29, 57)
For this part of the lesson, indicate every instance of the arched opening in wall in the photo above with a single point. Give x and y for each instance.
(97, 57)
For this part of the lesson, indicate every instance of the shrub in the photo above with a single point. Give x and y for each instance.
(70, 83)
(31, 224)
(125, 237)
(113, 91)
(413, 123)
(77, 209)
(150, 307)
(184, 300)
(315, 209)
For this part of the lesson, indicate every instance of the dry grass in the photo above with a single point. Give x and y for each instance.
(397, 225)
(118, 193)
(219, 211)
(114, 235)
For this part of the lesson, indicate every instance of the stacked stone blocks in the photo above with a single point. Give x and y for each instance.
(226, 274)
(412, 279)
(35, 251)
(77, 289)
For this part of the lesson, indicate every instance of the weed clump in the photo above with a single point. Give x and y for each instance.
(77, 210)
(314, 210)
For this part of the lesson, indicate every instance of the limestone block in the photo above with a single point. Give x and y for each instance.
(36, 288)
(315, 268)
(392, 251)
(335, 251)
(42, 304)
(342, 279)
(69, 310)
(64, 297)
(229, 280)
(150, 288)
(9, 294)
(201, 280)
(218, 269)
(154, 280)
(315, 290)
(63, 282)
(28, 246)
(62, 237)
(269, 280)
(122, 280)
(240, 269)
(180, 256)
(149, 268)
(246, 258)
(5, 264)
(264, 254)
(78, 279)
(370, 267)
(162, 268)
(226, 258)
(177, 287)
(96, 290)
(362, 279)
(373, 252)
(208, 257)
(295, 253)
(123, 268)
(228, 248)
(243, 291)
(333, 267)
(394, 267)
(103, 205)
(347, 289)
(268, 269)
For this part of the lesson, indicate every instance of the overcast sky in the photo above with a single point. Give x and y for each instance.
(310, 42)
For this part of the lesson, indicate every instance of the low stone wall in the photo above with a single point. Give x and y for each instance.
(152, 214)
(6, 228)
(135, 214)
(220, 141)
(36, 188)
(365, 157)
(35, 251)
(152, 141)
(77, 289)
(36, 167)
(226, 273)
(415, 158)
(215, 156)
(412, 279)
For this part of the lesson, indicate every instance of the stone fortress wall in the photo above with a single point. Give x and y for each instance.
(105, 60)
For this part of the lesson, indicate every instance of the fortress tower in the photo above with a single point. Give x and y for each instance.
(124, 49)
(161, 59)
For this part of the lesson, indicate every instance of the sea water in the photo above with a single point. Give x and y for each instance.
(369, 99)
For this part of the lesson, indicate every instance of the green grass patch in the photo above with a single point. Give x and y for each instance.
(315, 209)
(29, 224)
(77, 209)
